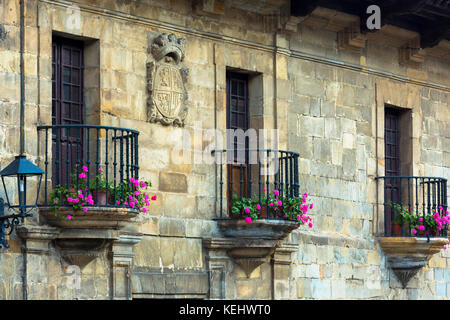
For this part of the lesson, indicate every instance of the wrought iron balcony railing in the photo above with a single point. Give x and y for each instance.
(254, 174)
(422, 196)
(107, 156)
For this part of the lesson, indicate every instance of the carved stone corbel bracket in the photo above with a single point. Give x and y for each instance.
(407, 255)
(209, 7)
(252, 244)
(288, 23)
(81, 246)
(351, 39)
(88, 234)
(411, 54)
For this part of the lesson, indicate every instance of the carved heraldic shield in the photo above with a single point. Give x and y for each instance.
(167, 97)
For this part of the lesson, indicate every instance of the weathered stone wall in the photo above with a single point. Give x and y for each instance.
(333, 124)
(326, 103)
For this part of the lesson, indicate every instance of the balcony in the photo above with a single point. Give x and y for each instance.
(416, 222)
(250, 183)
(255, 174)
(87, 182)
(109, 152)
(420, 196)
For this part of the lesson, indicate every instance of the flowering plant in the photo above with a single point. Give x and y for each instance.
(132, 194)
(289, 208)
(129, 194)
(429, 224)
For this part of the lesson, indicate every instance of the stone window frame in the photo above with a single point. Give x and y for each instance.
(261, 106)
(405, 97)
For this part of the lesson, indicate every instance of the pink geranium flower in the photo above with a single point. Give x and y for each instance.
(248, 219)
(154, 197)
(247, 210)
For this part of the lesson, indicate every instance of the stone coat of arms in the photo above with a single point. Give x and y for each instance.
(167, 96)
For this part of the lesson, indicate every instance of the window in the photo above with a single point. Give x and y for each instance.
(67, 104)
(237, 118)
(67, 81)
(398, 162)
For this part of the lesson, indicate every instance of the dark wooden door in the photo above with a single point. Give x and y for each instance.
(392, 166)
(237, 118)
(67, 107)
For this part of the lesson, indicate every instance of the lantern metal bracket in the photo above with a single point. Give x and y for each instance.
(9, 222)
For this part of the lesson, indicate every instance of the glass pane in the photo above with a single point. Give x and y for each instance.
(76, 58)
(241, 89)
(66, 92)
(66, 56)
(66, 110)
(233, 104)
(75, 112)
(241, 105)
(75, 76)
(75, 94)
(233, 119)
(233, 87)
(242, 122)
(66, 74)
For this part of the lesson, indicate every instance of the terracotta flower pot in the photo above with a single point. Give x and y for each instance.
(263, 212)
(397, 229)
(101, 198)
(423, 233)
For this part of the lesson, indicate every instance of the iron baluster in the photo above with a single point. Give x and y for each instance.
(46, 166)
(106, 166)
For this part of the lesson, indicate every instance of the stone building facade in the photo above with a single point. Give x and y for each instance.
(324, 92)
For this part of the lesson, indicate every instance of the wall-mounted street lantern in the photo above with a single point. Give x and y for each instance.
(19, 173)
(21, 169)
